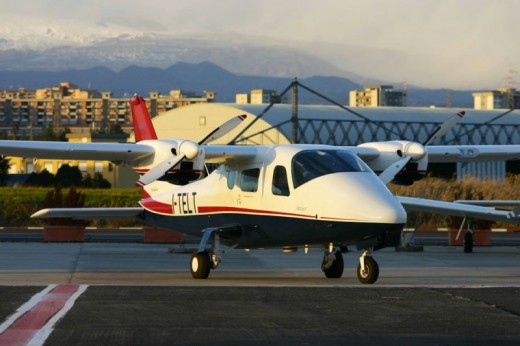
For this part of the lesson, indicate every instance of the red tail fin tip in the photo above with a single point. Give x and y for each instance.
(143, 127)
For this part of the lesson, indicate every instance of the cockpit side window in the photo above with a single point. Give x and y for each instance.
(310, 164)
(249, 179)
(280, 185)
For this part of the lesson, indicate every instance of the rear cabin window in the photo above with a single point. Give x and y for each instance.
(249, 180)
(280, 185)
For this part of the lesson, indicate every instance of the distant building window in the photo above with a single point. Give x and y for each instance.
(82, 167)
(48, 167)
(98, 167)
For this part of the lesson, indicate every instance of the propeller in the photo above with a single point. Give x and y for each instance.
(444, 128)
(187, 150)
(417, 151)
(391, 171)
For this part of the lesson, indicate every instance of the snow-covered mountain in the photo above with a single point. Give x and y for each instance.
(32, 43)
(36, 33)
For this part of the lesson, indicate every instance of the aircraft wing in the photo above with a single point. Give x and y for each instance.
(366, 154)
(459, 209)
(226, 153)
(87, 213)
(126, 152)
(452, 153)
(466, 153)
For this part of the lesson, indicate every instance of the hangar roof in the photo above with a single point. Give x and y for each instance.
(333, 125)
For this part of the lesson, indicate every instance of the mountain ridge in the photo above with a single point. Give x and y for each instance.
(205, 75)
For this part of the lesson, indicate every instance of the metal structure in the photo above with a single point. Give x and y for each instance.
(354, 128)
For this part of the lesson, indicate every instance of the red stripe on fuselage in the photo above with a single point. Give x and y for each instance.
(164, 208)
(156, 206)
(225, 209)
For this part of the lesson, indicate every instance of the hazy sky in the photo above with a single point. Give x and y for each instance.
(472, 40)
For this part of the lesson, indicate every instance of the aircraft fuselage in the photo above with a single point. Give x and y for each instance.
(284, 196)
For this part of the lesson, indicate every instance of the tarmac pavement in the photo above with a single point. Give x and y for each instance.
(143, 294)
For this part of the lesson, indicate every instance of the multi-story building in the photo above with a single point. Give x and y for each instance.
(377, 96)
(504, 98)
(258, 97)
(31, 111)
(89, 114)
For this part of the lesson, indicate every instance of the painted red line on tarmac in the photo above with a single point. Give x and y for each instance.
(28, 325)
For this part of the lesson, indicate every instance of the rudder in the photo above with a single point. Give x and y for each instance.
(143, 127)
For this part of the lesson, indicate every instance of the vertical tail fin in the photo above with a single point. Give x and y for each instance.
(143, 127)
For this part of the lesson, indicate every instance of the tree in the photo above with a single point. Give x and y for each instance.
(73, 199)
(4, 170)
(44, 178)
(98, 182)
(115, 128)
(50, 135)
(68, 176)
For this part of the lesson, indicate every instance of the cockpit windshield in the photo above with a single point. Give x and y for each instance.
(311, 164)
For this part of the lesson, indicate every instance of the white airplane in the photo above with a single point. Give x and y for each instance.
(272, 196)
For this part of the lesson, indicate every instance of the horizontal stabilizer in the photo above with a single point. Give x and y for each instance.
(87, 213)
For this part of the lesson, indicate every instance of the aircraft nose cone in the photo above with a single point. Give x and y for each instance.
(361, 197)
(388, 211)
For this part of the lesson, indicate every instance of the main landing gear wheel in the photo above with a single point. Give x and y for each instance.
(370, 272)
(335, 270)
(200, 265)
(468, 242)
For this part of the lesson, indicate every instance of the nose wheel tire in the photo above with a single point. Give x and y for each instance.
(200, 265)
(370, 273)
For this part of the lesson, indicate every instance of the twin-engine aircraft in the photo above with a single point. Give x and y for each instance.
(272, 196)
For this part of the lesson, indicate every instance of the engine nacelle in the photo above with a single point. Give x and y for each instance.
(189, 169)
(393, 151)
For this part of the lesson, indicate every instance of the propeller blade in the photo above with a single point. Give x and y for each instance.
(188, 150)
(159, 170)
(223, 129)
(444, 128)
(391, 171)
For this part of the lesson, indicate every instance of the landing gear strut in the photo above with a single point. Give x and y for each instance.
(201, 260)
(368, 269)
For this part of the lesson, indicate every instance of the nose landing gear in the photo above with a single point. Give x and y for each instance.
(368, 269)
(332, 264)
